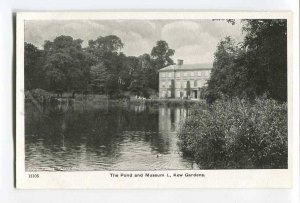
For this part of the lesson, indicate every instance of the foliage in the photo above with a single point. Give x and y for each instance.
(188, 89)
(254, 67)
(161, 57)
(33, 60)
(37, 95)
(172, 88)
(66, 65)
(105, 45)
(101, 67)
(266, 43)
(99, 78)
(110, 62)
(161, 54)
(237, 134)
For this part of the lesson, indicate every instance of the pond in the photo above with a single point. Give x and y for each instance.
(105, 136)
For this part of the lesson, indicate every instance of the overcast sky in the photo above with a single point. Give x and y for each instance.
(194, 41)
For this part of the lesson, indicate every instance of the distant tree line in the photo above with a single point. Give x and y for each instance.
(101, 68)
(255, 67)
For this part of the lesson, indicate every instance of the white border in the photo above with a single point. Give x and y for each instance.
(271, 178)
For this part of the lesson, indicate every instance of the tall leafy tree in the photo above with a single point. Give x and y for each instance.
(139, 70)
(99, 78)
(161, 54)
(161, 57)
(258, 66)
(105, 45)
(266, 43)
(147, 71)
(67, 65)
(33, 61)
(106, 51)
(227, 77)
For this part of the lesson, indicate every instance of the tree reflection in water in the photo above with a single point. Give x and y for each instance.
(105, 137)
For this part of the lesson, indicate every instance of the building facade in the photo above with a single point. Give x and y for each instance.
(183, 80)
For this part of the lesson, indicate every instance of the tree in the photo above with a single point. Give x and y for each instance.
(105, 45)
(138, 70)
(99, 79)
(106, 51)
(162, 54)
(257, 67)
(188, 89)
(161, 57)
(145, 62)
(227, 76)
(266, 43)
(66, 64)
(172, 88)
(33, 61)
(148, 72)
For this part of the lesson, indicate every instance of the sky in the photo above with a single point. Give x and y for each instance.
(194, 41)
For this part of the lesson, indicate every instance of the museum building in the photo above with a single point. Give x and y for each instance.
(183, 80)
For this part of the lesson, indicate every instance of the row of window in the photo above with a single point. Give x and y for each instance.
(186, 73)
(183, 84)
(178, 93)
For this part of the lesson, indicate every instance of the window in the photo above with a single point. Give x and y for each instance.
(199, 83)
(195, 83)
(162, 109)
(199, 73)
(170, 75)
(163, 75)
(178, 84)
(177, 93)
(192, 73)
(207, 73)
(163, 84)
(185, 74)
(184, 84)
(178, 74)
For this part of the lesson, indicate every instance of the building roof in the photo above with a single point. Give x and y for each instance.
(197, 66)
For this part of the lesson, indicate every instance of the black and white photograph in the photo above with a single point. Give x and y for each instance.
(155, 94)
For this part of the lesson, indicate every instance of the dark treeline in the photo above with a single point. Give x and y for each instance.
(255, 67)
(100, 68)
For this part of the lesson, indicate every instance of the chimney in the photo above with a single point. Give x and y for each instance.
(179, 62)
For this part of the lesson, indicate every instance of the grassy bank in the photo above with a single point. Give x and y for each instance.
(237, 134)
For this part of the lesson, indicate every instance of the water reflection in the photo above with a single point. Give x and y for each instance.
(104, 137)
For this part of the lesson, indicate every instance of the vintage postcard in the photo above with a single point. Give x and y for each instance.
(153, 100)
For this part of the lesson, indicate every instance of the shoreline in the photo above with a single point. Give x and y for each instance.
(44, 97)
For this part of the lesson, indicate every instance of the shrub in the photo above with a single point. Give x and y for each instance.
(37, 94)
(237, 134)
